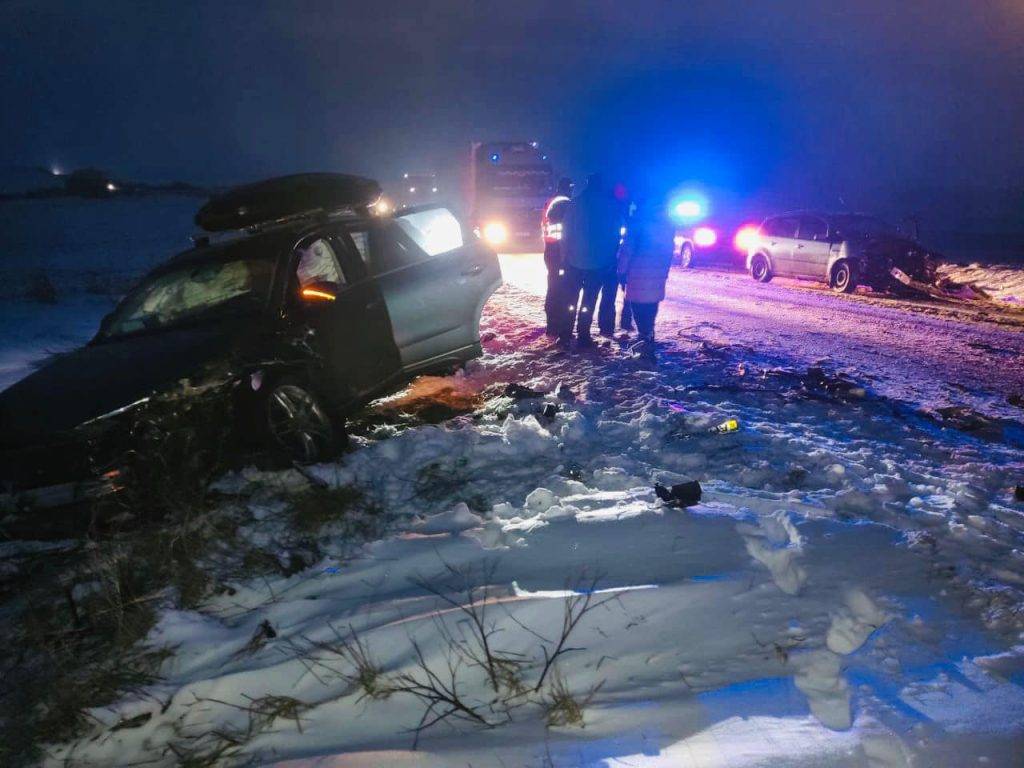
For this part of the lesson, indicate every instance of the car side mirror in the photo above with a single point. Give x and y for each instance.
(318, 292)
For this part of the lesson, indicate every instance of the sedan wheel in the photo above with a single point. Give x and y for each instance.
(842, 278)
(299, 424)
(759, 269)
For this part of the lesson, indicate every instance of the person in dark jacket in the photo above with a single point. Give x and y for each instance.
(551, 228)
(644, 261)
(590, 241)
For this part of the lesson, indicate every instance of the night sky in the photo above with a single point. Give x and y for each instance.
(825, 97)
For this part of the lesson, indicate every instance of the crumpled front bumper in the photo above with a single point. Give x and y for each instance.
(66, 469)
(61, 494)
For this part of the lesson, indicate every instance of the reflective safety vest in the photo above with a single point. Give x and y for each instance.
(552, 230)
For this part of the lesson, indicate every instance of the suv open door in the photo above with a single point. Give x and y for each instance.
(435, 277)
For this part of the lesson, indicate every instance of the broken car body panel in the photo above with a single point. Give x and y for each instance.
(809, 245)
(346, 304)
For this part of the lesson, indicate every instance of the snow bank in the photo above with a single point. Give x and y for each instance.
(1003, 283)
(844, 594)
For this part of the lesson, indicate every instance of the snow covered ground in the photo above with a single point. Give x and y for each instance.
(848, 591)
(1003, 283)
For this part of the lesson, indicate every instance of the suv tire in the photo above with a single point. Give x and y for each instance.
(298, 424)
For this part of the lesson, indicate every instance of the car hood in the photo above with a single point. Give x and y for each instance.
(100, 378)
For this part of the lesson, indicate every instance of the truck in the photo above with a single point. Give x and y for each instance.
(510, 183)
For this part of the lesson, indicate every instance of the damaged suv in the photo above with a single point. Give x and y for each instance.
(843, 250)
(308, 308)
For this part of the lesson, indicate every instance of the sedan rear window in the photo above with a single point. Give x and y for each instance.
(435, 230)
(813, 228)
(781, 227)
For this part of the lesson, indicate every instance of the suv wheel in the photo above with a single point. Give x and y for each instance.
(299, 425)
(686, 256)
(841, 280)
(760, 270)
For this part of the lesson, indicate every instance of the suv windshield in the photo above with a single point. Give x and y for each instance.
(863, 226)
(182, 294)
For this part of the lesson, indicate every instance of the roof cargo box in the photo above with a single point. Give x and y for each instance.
(286, 197)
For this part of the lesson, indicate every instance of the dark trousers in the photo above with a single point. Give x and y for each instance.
(555, 305)
(582, 287)
(606, 314)
(644, 314)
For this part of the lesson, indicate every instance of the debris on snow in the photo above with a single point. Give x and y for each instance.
(519, 392)
(679, 495)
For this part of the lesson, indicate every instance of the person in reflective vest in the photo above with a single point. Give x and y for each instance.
(551, 228)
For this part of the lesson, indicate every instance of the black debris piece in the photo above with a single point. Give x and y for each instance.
(1018, 493)
(265, 631)
(562, 392)
(1016, 399)
(519, 392)
(550, 411)
(573, 471)
(679, 495)
(133, 722)
(818, 381)
(967, 420)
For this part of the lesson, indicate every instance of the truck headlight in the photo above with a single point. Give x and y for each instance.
(495, 233)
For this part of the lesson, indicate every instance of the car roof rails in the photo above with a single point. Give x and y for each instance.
(287, 199)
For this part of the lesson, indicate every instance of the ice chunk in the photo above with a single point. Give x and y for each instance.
(539, 500)
(820, 679)
(458, 518)
(854, 622)
(775, 543)
(526, 435)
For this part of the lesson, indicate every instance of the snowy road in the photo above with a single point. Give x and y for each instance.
(929, 353)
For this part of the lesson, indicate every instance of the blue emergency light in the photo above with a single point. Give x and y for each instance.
(688, 209)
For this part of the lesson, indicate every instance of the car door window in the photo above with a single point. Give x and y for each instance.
(361, 242)
(784, 226)
(434, 230)
(318, 263)
(813, 228)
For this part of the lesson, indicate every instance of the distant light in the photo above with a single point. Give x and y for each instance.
(746, 237)
(405, 175)
(496, 233)
(534, 144)
(382, 207)
(111, 187)
(678, 241)
(412, 189)
(688, 209)
(495, 157)
(622, 231)
(433, 189)
(543, 157)
(705, 237)
(56, 171)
